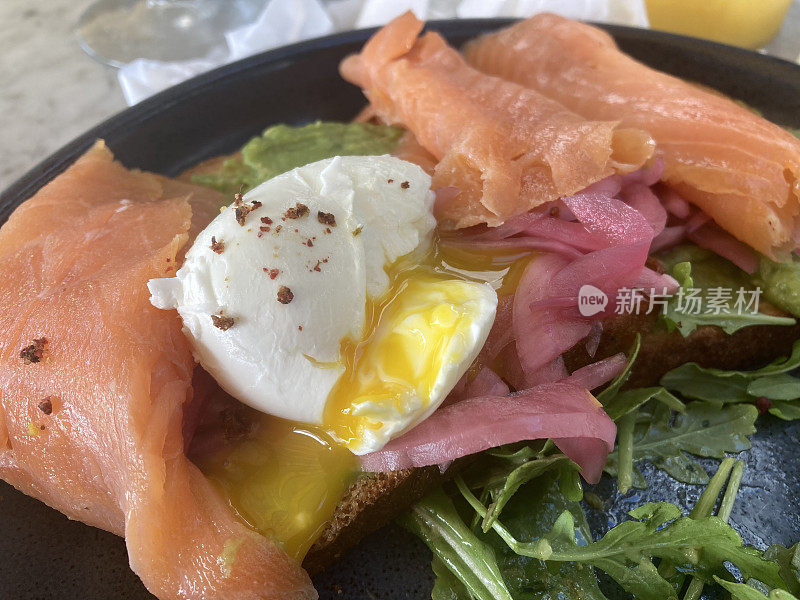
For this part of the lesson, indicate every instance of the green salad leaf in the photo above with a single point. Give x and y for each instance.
(447, 586)
(630, 400)
(678, 315)
(702, 430)
(772, 382)
(523, 474)
(742, 591)
(656, 530)
(613, 388)
(789, 561)
(456, 547)
(530, 514)
(284, 147)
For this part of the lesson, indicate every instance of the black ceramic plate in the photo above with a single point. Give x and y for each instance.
(45, 556)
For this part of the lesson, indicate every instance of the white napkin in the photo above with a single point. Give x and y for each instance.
(284, 22)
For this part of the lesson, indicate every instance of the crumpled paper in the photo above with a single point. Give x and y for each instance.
(283, 22)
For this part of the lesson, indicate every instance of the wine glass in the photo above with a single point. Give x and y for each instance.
(115, 32)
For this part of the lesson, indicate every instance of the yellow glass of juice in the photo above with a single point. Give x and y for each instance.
(746, 23)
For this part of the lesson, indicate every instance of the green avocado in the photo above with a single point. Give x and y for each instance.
(284, 147)
(779, 282)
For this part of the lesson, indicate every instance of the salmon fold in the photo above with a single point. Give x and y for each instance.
(500, 147)
(94, 382)
(740, 169)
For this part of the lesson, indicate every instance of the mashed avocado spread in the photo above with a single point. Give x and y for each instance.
(779, 282)
(284, 147)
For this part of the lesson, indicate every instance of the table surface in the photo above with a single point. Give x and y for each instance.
(51, 91)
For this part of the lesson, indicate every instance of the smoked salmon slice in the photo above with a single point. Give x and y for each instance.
(94, 382)
(506, 148)
(739, 168)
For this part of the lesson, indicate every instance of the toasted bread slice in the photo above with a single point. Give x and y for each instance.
(375, 500)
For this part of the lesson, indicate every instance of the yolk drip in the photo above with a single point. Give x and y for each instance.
(286, 479)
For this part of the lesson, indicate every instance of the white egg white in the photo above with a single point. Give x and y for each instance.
(283, 359)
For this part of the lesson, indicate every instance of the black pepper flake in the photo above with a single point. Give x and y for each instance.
(285, 295)
(297, 211)
(35, 352)
(223, 323)
(46, 406)
(241, 214)
(326, 219)
(242, 210)
(216, 246)
(405, 185)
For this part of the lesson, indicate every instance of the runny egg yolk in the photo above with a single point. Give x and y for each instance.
(419, 335)
(287, 478)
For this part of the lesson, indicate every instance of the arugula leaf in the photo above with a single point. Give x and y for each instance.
(787, 411)
(629, 400)
(435, 520)
(625, 433)
(729, 322)
(529, 515)
(447, 586)
(742, 591)
(613, 388)
(522, 474)
(493, 467)
(789, 561)
(775, 387)
(779, 365)
(656, 530)
(691, 380)
(676, 317)
(718, 386)
(703, 430)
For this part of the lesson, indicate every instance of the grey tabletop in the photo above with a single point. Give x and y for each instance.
(50, 91)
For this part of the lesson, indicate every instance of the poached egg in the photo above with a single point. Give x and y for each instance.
(316, 298)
